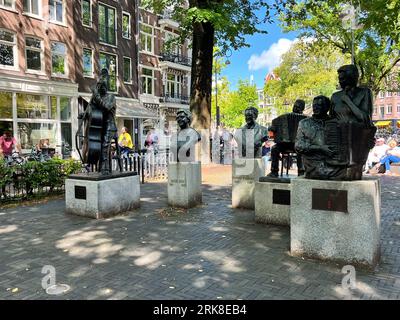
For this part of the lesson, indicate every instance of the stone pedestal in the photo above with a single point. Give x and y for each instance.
(272, 201)
(98, 197)
(336, 220)
(184, 184)
(245, 174)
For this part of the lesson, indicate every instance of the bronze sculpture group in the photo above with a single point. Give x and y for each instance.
(331, 145)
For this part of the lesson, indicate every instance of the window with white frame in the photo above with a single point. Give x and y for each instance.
(58, 59)
(87, 13)
(127, 70)
(173, 87)
(33, 53)
(170, 44)
(87, 62)
(109, 62)
(126, 25)
(57, 8)
(389, 109)
(7, 3)
(8, 49)
(375, 110)
(381, 94)
(389, 94)
(146, 38)
(382, 111)
(33, 7)
(398, 108)
(147, 80)
(107, 24)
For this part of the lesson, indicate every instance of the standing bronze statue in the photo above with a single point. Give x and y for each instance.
(184, 141)
(284, 129)
(251, 136)
(99, 127)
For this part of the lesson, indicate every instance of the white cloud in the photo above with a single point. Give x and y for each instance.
(271, 58)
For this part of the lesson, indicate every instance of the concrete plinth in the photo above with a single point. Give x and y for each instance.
(336, 220)
(272, 202)
(245, 174)
(184, 184)
(100, 198)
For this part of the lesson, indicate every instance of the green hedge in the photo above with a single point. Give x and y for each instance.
(33, 175)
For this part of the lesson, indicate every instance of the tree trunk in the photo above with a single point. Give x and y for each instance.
(201, 82)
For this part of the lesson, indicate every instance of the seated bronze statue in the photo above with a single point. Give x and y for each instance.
(284, 129)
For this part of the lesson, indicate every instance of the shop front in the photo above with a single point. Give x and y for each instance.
(39, 114)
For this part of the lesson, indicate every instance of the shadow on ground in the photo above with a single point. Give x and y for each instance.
(209, 252)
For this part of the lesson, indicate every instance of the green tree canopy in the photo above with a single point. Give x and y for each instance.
(222, 23)
(233, 103)
(306, 71)
(376, 32)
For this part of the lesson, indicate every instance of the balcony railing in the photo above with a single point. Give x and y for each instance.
(175, 98)
(177, 58)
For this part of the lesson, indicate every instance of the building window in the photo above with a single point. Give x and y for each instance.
(34, 52)
(146, 38)
(375, 110)
(398, 108)
(87, 62)
(389, 94)
(381, 94)
(87, 13)
(31, 106)
(147, 81)
(65, 109)
(7, 3)
(109, 62)
(107, 24)
(389, 109)
(173, 87)
(32, 7)
(127, 70)
(58, 59)
(382, 111)
(6, 102)
(8, 47)
(31, 134)
(126, 25)
(56, 10)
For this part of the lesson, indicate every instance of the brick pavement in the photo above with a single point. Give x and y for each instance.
(210, 252)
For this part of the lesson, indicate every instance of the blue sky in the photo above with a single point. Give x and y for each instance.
(261, 57)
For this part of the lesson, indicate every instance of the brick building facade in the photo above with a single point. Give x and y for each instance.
(51, 52)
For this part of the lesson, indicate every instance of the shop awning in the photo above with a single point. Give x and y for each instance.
(383, 123)
(132, 110)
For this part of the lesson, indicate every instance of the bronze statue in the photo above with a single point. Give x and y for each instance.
(311, 144)
(100, 129)
(336, 147)
(284, 129)
(352, 108)
(184, 141)
(251, 136)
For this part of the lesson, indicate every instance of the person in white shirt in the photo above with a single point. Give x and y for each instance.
(377, 153)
